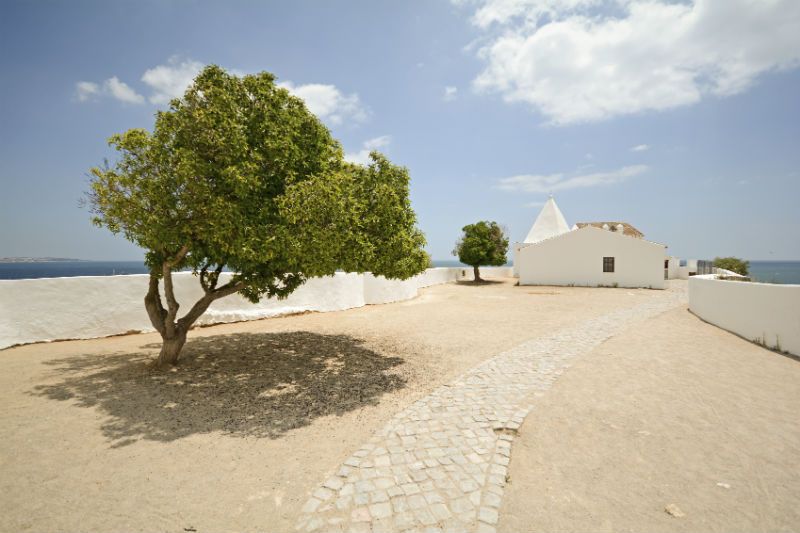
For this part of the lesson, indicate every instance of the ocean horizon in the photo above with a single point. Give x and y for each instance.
(781, 272)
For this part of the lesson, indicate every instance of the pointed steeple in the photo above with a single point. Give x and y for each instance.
(549, 223)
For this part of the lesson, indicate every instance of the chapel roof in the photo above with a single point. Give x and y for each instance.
(627, 229)
(549, 223)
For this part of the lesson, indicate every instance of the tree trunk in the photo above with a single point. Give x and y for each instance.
(171, 349)
(477, 273)
(173, 330)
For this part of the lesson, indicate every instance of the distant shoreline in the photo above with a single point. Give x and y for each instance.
(42, 260)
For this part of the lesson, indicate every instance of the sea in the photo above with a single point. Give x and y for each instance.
(765, 271)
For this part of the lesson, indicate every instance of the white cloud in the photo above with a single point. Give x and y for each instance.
(538, 183)
(640, 148)
(329, 103)
(529, 11)
(86, 89)
(122, 92)
(450, 93)
(362, 156)
(112, 87)
(589, 60)
(171, 80)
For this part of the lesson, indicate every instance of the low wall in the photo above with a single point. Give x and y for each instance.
(765, 313)
(33, 310)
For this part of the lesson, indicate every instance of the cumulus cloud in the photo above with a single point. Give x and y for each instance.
(531, 11)
(539, 183)
(450, 93)
(86, 90)
(170, 80)
(165, 82)
(362, 156)
(329, 103)
(640, 148)
(112, 87)
(588, 60)
(122, 92)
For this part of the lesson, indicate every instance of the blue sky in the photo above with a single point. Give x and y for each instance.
(681, 118)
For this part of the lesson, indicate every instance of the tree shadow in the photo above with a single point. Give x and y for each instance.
(473, 283)
(243, 384)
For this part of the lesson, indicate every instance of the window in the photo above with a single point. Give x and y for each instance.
(666, 263)
(608, 264)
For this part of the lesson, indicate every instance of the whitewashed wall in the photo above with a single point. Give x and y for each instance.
(673, 270)
(515, 259)
(49, 309)
(576, 258)
(687, 271)
(761, 312)
(379, 290)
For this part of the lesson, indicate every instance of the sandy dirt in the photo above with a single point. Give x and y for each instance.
(673, 413)
(256, 415)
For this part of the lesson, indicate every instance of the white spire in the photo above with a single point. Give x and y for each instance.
(549, 223)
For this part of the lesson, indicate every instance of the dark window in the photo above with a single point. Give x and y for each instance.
(608, 264)
(666, 263)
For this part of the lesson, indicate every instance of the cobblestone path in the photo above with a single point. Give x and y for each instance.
(441, 464)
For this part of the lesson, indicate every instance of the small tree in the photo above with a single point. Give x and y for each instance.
(734, 264)
(239, 175)
(483, 243)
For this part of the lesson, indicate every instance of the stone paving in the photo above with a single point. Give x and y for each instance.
(442, 463)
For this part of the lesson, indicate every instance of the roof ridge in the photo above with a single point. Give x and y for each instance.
(526, 244)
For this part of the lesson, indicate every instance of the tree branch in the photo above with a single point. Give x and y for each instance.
(209, 281)
(203, 273)
(169, 291)
(229, 288)
(178, 257)
(215, 276)
(172, 303)
(202, 304)
(153, 305)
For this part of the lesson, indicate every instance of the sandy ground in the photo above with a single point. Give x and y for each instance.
(258, 414)
(674, 412)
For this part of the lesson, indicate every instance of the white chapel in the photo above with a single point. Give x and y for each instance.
(609, 254)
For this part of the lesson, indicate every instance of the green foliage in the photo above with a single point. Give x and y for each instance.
(734, 264)
(238, 173)
(483, 243)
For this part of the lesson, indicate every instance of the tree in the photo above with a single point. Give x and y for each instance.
(238, 175)
(483, 243)
(734, 264)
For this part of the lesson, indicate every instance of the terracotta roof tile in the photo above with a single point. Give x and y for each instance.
(627, 229)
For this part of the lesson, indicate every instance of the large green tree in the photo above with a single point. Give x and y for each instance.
(238, 175)
(482, 243)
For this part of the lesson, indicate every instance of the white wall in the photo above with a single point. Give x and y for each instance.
(379, 290)
(33, 310)
(761, 312)
(576, 258)
(673, 269)
(685, 272)
(466, 273)
(725, 272)
(515, 259)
